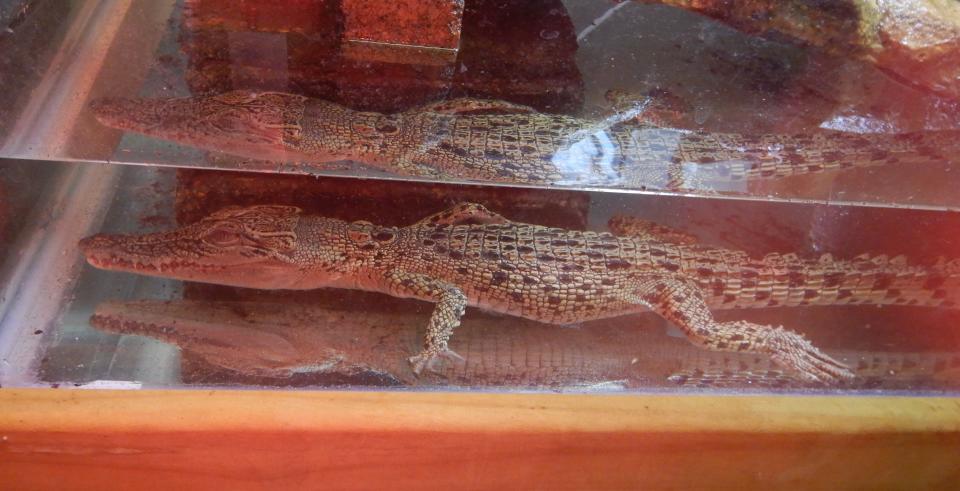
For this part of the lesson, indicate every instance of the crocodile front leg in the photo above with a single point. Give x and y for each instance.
(682, 303)
(451, 303)
(463, 213)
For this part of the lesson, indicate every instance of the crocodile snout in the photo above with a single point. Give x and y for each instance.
(99, 249)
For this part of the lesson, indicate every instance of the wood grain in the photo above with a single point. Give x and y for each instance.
(72, 439)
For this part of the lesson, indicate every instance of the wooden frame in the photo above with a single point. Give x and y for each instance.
(197, 439)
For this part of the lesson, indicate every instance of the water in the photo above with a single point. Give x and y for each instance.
(65, 180)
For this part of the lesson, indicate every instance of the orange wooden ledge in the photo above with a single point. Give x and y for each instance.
(194, 439)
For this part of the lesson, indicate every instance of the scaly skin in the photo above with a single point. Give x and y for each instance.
(468, 255)
(278, 341)
(497, 141)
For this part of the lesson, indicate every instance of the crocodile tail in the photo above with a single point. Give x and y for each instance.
(736, 156)
(723, 378)
(787, 280)
(882, 280)
(873, 371)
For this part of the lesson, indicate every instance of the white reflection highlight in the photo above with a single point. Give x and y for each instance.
(594, 154)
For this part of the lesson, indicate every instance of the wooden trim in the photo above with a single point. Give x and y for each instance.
(218, 410)
(196, 439)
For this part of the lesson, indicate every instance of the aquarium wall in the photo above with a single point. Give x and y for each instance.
(490, 196)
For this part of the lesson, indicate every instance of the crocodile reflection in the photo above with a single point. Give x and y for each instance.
(498, 141)
(291, 344)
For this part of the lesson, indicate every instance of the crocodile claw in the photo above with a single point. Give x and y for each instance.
(793, 351)
(428, 360)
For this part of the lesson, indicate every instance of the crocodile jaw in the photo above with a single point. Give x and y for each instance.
(168, 256)
(247, 124)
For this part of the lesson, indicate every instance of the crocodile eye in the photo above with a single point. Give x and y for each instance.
(387, 126)
(223, 235)
(222, 238)
(363, 129)
(384, 236)
(237, 97)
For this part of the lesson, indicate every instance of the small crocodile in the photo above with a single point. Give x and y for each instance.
(469, 255)
(498, 141)
(276, 343)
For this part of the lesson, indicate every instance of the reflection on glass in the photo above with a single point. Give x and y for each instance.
(621, 158)
(498, 141)
(521, 102)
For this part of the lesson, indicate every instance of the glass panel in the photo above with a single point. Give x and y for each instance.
(615, 196)
(576, 94)
(801, 269)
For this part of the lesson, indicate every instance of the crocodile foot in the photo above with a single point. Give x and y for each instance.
(794, 351)
(428, 359)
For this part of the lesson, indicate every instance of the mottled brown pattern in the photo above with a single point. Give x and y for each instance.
(468, 255)
(497, 141)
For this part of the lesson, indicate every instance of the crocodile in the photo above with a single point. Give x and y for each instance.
(469, 255)
(498, 141)
(282, 343)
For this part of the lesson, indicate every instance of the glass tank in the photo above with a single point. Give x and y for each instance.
(482, 195)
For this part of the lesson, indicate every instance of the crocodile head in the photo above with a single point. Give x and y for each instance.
(255, 247)
(270, 126)
(250, 124)
(267, 247)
